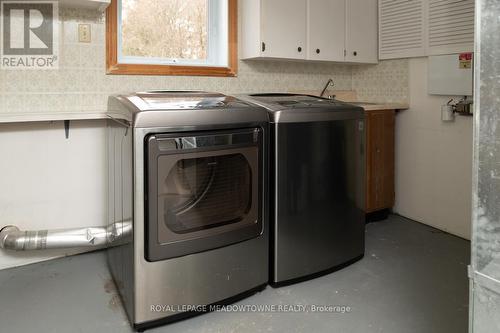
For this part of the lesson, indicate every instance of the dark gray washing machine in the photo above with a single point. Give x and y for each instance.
(317, 185)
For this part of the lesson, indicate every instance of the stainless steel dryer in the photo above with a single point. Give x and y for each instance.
(189, 171)
(317, 193)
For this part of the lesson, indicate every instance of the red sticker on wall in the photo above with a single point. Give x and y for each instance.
(465, 60)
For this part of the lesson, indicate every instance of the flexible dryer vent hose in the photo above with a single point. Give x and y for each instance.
(11, 238)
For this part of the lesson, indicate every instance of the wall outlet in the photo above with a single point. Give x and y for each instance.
(84, 34)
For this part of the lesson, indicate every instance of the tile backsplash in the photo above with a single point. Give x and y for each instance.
(384, 82)
(81, 85)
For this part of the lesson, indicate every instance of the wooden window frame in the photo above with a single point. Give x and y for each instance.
(114, 67)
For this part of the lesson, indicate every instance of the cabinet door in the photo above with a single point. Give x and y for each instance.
(380, 160)
(451, 26)
(326, 30)
(401, 28)
(284, 28)
(361, 31)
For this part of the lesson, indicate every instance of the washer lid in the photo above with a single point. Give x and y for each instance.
(283, 101)
(284, 107)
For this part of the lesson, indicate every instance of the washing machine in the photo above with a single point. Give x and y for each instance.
(188, 176)
(317, 175)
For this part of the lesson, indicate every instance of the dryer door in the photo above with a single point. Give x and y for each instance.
(204, 191)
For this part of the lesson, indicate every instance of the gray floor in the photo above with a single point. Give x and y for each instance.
(413, 279)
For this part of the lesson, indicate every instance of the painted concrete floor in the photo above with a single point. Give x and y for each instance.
(413, 279)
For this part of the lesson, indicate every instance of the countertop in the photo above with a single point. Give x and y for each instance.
(382, 106)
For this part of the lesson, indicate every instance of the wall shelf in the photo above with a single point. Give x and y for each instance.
(99, 5)
(57, 116)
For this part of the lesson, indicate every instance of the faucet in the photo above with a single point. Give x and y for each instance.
(330, 83)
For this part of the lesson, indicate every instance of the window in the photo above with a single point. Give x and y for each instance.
(172, 37)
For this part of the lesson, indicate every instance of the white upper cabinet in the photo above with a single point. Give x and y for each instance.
(309, 30)
(401, 28)
(273, 29)
(451, 26)
(326, 30)
(361, 41)
(415, 28)
(284, 28)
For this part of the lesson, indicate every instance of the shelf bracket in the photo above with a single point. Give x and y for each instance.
(66, 128)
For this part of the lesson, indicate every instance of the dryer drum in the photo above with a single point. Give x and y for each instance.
(209, 192)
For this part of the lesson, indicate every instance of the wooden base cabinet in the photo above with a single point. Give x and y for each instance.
(380, 126)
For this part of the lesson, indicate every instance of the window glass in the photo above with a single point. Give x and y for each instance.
(183, 32)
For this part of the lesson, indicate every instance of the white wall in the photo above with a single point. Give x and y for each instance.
(433, 160)
(48, 181)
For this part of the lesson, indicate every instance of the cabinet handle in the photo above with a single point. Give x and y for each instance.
(263, 46)
(299, 49)
(355, 53)
(318, 51)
